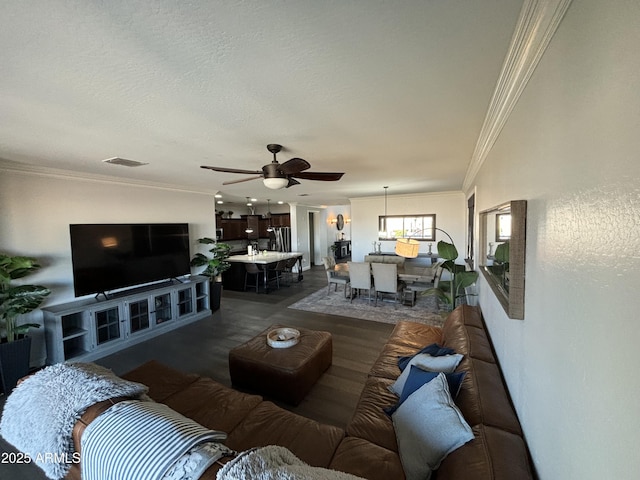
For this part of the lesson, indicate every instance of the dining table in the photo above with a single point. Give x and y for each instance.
(417, 278)
(406, 273)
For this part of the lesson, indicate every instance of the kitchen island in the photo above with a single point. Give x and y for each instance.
(233, 279)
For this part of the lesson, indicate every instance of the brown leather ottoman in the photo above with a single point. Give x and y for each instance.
(283, 373)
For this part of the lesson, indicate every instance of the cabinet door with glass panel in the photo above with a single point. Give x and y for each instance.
(163, 309)
(185, 301)
(139, 316)
(108, 324)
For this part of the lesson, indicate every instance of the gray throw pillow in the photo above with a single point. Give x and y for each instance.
(424, 361)
(428, 427)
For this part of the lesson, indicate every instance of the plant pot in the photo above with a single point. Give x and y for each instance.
(14, 362)
(215, 289)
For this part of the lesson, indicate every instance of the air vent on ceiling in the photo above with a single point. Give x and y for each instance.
(124, 162)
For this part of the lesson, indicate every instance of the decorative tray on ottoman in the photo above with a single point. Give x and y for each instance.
(283, 337)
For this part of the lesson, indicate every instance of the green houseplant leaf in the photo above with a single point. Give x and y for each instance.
(20, 299)
(502, 253)
(460, 278)
(448, 251)
(216, 263)
(465, 279)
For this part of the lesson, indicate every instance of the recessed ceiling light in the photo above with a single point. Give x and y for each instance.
(280, 202)
(124, 162)
(217, 195)
(254, 199)
(219, 202)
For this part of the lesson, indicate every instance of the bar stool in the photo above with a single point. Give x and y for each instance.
(288, 271)
(278, 271)
(252, 269)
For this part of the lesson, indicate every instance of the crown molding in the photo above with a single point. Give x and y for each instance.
(28, 169)
(538, 22)
(416, 196)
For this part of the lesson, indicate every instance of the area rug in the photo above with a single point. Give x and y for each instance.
(334, 303)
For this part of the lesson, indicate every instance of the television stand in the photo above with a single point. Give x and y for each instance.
(87, 329)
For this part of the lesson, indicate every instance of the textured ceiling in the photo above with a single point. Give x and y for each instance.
(389, 92)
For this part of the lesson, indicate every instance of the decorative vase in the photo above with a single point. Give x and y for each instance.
(14, 362)
(215, 295)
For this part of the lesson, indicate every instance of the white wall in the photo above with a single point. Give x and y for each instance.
(36, 210)
(570, 148)
(449, 208)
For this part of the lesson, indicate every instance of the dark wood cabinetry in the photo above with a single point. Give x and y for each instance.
(280, 220)
(235, 228)
(253, 223)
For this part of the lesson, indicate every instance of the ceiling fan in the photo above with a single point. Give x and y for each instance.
(280, 175)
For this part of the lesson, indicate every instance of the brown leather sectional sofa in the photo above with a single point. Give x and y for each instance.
(367, 447)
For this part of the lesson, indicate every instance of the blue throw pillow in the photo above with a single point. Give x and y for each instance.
(428, 427)
(444, 363)
(434, 350)
(418, 377)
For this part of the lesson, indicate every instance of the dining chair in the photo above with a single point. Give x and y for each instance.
(385, 280)
(329, 263)
(359, 278)
(335, 280)
(332, 278)
(252, 269)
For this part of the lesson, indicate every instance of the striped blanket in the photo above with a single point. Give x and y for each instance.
(40, 413)
(140, 440)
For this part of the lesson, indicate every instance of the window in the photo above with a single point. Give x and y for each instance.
(503, 227)
(418, 227)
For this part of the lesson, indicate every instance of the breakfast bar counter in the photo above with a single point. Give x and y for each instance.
(233, 279)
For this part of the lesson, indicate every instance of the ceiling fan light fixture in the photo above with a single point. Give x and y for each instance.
(275, 183)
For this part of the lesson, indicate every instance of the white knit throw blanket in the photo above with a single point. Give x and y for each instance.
(40, 413)
(276, 463)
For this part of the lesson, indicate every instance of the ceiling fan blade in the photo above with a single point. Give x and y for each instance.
(292, 182)
(324, 176)
(295, 165)
(231, 182)
(230, 170)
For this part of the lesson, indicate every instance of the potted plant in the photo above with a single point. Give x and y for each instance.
(500, 267)
(216, 264)
(451, 290)
(15, 300)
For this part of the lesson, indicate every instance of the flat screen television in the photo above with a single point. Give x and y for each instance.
(112, 256)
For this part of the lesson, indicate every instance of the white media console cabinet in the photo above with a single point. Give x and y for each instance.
(87, 329)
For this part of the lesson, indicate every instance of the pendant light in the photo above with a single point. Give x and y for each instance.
(250, 205)
(269, 228)
(382, 233)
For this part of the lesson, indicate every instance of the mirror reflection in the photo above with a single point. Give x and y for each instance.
(502, 253)
(497, 260)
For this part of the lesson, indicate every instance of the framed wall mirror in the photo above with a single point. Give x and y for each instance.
(502, 253)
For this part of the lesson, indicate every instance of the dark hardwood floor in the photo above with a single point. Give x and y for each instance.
(202, 347)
